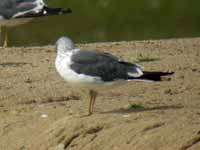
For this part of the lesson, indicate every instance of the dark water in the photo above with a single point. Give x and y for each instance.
(113, 20)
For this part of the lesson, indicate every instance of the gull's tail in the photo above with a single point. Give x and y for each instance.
(135, 72)
(55, 11)
(46, 11)
(152, 76)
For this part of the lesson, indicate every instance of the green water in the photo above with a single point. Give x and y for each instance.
(112, 20)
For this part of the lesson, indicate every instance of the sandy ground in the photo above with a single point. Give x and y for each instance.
(38, 110)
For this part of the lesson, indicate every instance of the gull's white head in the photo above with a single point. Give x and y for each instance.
(64, 44)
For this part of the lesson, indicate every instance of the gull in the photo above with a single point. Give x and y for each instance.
(17, 12)
(93, 70)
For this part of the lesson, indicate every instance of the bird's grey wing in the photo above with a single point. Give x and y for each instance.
(85, 56)
(15, 8)
(103, 65)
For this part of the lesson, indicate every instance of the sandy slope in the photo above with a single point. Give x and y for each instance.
(38, 110)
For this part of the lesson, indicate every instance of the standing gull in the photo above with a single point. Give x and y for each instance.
(92, 69)
(16, 12)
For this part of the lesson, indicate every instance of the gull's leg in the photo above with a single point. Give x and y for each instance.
(94, 98)
(0, 32)
(5, 44)
(93, 95)
(91, 102)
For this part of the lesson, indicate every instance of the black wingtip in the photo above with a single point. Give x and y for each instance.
(66, 11)
(47, 11)
(55, 11)
(166, 73)
(156, 76)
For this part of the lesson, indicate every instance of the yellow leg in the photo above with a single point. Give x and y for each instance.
(5, 44)
(93, 95)
(94, 98)
(90, 104)
(1, 35)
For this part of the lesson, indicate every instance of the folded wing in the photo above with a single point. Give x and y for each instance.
(27, 8)
(103, 65)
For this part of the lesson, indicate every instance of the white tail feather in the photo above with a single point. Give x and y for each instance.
(137, 72)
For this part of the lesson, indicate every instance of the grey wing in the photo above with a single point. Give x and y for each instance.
(15, 8)
(85, 56)
(103, 65)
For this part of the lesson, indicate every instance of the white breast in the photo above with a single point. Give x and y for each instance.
(63, 63)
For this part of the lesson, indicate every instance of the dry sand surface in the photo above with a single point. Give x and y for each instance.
(39, 111)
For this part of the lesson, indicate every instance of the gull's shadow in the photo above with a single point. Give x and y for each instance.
(132, 110)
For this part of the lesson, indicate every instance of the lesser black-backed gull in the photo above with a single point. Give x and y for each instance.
(16, 12)
(93, 69)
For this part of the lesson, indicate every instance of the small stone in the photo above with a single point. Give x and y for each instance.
(44, 116)
(60, 147)
(126, 116)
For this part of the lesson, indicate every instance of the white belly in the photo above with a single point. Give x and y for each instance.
(81, 80)
(63, 68)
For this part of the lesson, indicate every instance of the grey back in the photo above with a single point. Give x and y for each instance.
(103, 65)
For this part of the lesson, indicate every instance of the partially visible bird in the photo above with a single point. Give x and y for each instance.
(16, 12)
(93, 70)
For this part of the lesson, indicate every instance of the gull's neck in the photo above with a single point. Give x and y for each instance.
(62, 55)
(66, 54)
